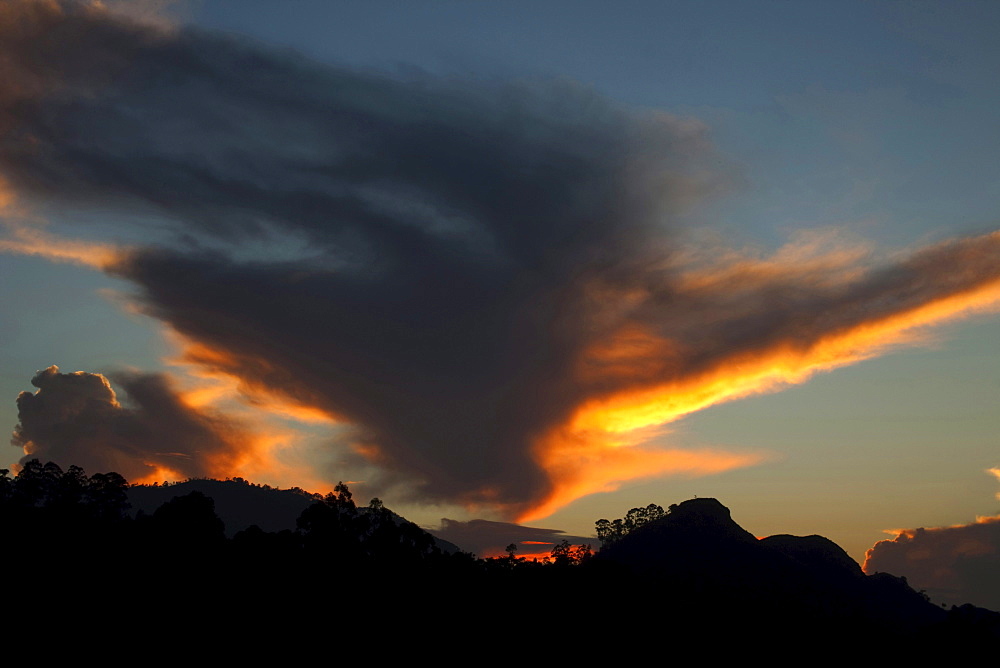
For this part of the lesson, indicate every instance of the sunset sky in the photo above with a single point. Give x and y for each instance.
(520, 261)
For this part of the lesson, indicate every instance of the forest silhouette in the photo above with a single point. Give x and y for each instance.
(690, 569)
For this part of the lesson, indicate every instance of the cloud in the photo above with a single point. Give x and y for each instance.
(485, 538)
(489, 281)
(76, 417)
(955, 565)
(27, 240)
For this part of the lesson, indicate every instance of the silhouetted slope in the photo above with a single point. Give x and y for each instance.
(819, 555)
(806, 586)
(699, 549)
(697, 534)
(694, 577)
(239, 504)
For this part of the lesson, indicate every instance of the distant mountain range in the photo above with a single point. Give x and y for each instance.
(696, 554)
(241, 504)
(190, 554)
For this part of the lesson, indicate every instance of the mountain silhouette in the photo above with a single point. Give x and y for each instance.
(241, 504)
(806, 587)
(688, 578)
(819, 555)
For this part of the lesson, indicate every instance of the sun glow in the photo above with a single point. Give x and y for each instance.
(267, 446)
(159, 474)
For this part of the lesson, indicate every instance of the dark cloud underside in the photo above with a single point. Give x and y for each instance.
(76, 417)
(455, 267)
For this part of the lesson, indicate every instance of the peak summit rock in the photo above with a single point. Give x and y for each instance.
(696, 534)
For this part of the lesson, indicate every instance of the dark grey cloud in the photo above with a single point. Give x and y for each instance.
(455, 267)
(77, 418)
(955, 565)
(486, 538)
(449, 228)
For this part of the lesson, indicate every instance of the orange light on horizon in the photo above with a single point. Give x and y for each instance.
(159, 474)
(497, 553)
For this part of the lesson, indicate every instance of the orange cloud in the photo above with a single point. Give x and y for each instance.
(269, 446)
(995, 472)
(6, 196)
(601, 445)
(785, 363)
(158, 473)
(212, 381)
(640, 376)
(24, 240)
(512, 352)
(650, 384)
(252, 441)
(583, 462)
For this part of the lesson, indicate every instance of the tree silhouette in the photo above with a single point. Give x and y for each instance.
(566, 554)
(609, 532)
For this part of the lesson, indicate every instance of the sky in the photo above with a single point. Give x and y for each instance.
(535, 262)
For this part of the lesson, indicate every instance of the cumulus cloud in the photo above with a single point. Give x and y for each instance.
(487, 280)
(955, 565)
(77, 418)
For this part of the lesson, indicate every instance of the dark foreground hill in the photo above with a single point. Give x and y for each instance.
(241, 504)
(806, 587)
(691, 582)
(238, 503)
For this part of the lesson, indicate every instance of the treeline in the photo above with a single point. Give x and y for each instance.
(74, 553)
(611, 531)
(43, 491)
(72, 518)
